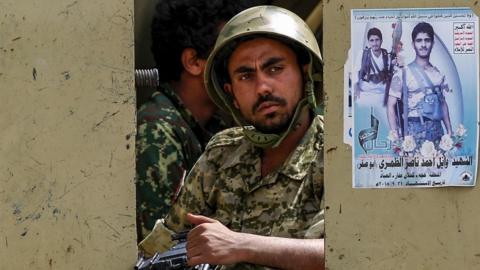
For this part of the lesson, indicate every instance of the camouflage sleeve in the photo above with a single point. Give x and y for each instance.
(160, 168)
(190, 200)
(317, 227)
(198, 196)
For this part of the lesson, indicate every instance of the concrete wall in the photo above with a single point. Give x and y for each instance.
(388, 229)
(67, 129)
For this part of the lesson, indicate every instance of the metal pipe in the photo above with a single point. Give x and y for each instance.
(315, 19)
(147, 78)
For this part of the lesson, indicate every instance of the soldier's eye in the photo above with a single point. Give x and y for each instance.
(244, 76)
(275, 69)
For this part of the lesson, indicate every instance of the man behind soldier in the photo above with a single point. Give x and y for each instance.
(256, 194)
(175, 125)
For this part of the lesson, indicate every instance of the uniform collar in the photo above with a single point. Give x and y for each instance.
(296, 167)
(170, 93)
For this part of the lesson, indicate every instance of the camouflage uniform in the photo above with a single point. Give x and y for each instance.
(226, 185)
(168, 143)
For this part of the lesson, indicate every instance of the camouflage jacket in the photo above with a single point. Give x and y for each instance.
(226, 184)
(169, 141)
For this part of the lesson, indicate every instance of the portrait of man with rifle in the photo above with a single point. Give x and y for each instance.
(374, 78)
(419, 87)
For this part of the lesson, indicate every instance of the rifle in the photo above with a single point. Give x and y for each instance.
(173, 259)
(396, 48)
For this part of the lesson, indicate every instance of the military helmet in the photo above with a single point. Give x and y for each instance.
(263, 21)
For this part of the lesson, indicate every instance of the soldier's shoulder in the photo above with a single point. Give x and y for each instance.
(227, 138)
(159, 108)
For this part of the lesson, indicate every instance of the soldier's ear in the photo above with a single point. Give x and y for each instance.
(192, 63)
(227, 87)
(304, 70)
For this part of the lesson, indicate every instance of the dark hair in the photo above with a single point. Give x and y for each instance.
(423, 27)
(181, 24)
(374, 32)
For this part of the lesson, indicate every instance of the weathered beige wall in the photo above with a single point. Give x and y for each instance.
(388, 229)
(67, 129)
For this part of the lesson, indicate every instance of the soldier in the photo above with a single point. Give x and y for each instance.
(421, 88)
(373, 76)
(176, 124)
(373, 72)
(255, 196)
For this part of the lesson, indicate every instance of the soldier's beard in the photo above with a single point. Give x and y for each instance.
(278, 127)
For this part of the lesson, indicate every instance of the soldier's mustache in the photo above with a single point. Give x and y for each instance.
(268, 97)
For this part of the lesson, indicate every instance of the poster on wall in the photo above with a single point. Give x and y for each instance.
(414, 85)
(347, 101)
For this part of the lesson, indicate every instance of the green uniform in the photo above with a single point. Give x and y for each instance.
(226, 184)
(169, 141)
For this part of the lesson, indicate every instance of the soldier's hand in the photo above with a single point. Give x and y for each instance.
(211, 242)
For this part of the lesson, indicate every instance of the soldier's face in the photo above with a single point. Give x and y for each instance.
(375, 42)
(423, 44)
(266, 83)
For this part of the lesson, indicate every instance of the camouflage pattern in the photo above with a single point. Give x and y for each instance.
(226, 184)
(168, 143)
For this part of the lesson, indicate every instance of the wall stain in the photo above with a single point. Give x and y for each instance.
(78, 241)
(459, 225)
(331, 149)
(66, 75)
(105, 118)
(66, 12)
(72, 4)
(117, 233)
(111, 159)
(16, 209)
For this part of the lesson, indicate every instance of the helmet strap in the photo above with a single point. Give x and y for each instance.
(309, 85)
(264, 140)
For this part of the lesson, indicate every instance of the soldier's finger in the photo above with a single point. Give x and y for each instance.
(194, 251)
(195, 260)
(199, 219)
